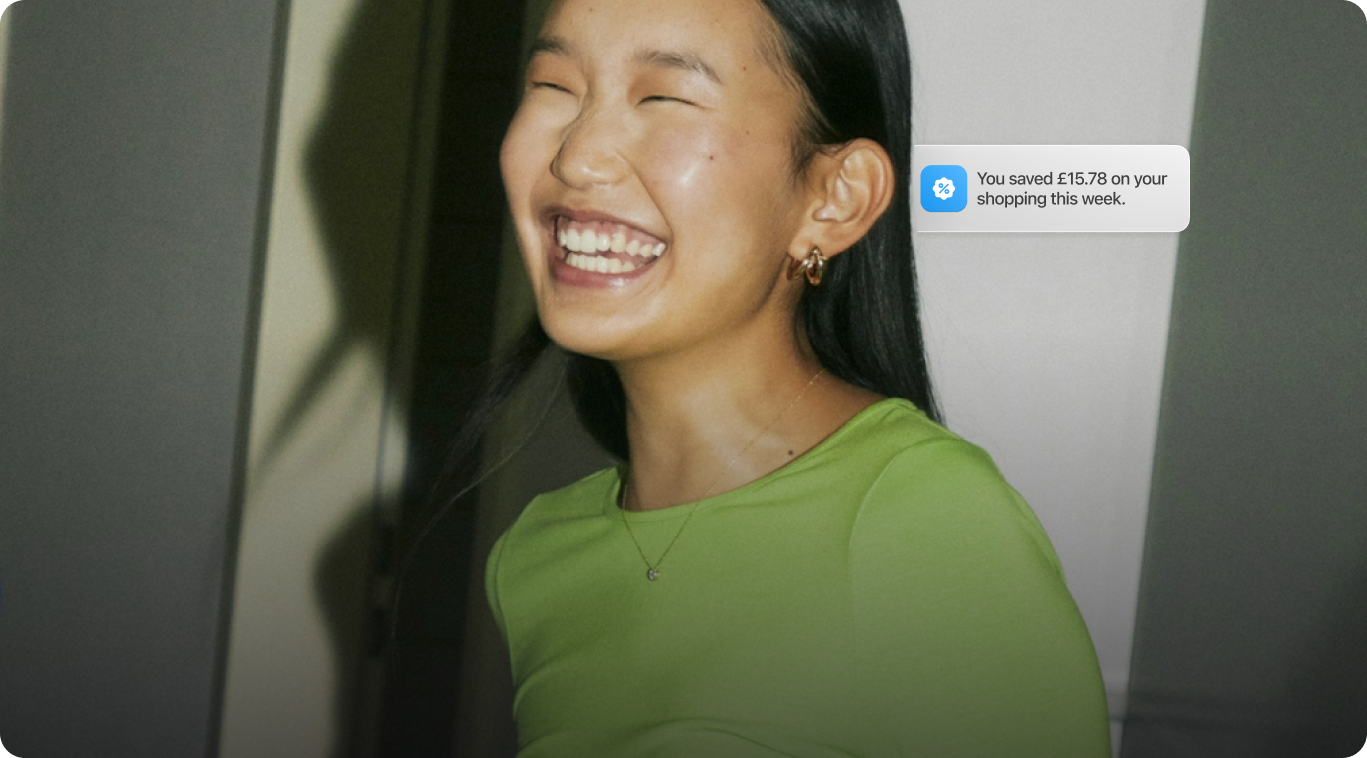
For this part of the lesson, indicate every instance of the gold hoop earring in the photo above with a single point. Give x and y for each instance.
(814, 267)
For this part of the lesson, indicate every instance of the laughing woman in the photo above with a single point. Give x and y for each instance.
(794, 558)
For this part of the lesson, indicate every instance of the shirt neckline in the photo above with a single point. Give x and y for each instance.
(612, 510)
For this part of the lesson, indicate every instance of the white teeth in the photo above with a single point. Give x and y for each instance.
(601, 264)
(592, 242)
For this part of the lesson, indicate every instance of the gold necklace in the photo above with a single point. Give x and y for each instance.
(653, 569)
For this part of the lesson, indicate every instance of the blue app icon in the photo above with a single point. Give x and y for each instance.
(944, 189)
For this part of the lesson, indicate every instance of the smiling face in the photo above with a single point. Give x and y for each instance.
(649, 172)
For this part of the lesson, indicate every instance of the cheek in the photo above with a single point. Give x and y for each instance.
(524, 161)
(521, 163)
(678, 159)
(718, 183)
(515, 158)
(714, 166)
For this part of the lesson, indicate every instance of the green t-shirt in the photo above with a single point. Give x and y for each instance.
(887, 593)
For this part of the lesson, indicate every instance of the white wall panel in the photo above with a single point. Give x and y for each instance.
(1048, 348)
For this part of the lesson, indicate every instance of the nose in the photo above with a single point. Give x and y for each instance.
(589, 153)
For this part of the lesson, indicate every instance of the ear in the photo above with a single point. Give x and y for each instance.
(851, 188)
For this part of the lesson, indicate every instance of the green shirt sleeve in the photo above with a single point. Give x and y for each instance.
(491, 585)
(968, 643)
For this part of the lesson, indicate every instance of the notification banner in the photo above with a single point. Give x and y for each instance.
(1050, 188)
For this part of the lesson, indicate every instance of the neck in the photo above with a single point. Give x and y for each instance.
(719, 416)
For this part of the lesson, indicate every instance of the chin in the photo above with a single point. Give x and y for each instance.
(586, 336)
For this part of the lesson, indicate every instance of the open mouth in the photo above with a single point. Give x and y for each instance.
(605, 247)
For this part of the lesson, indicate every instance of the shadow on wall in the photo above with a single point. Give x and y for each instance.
(360, 173)
(1330, 679)
(1319, 712)
(357, 171)
(341, 579)
(443, 687)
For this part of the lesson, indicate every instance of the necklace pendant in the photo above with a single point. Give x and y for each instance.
(652, 574)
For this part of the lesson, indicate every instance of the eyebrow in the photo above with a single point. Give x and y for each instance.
(552, 45)
(682, 61)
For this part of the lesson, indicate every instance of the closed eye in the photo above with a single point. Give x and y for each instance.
(666, 99)
(547, 85)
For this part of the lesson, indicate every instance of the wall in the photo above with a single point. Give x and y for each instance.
(1047, 349)
(1251, 639)
(136, 154)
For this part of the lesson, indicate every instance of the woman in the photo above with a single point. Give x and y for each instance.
(794, 558)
